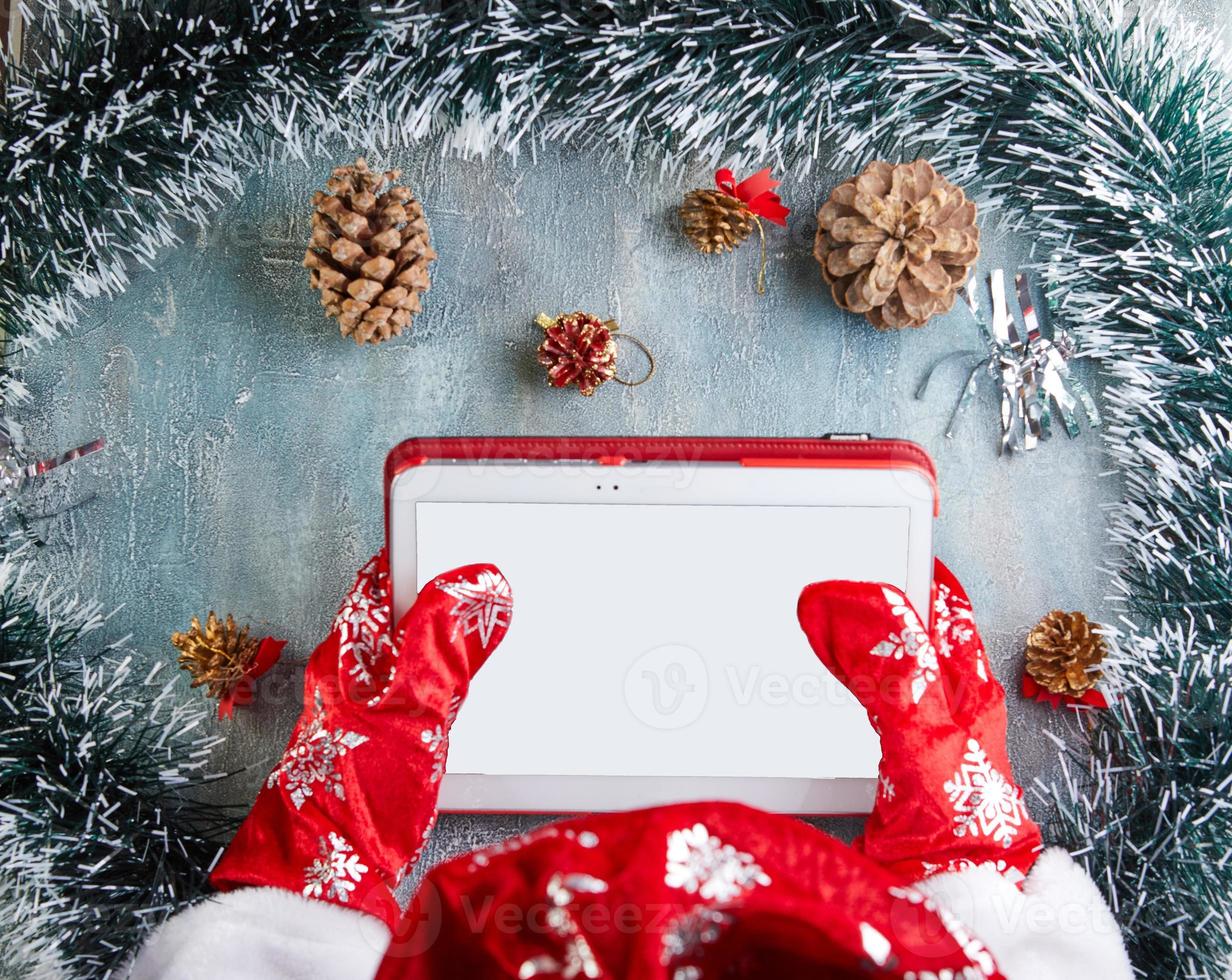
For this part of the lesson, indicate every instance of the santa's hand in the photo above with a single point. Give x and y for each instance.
(346, 812)
(946, 797)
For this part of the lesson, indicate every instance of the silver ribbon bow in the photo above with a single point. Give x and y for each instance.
(15, 472)
(1032, 375)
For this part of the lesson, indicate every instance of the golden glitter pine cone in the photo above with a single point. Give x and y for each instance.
(369, 252)
(217, 655)
(1064, 652)
(896, 243)
(714, 221)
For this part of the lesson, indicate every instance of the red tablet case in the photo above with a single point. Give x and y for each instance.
(837, 450)
(840, 451)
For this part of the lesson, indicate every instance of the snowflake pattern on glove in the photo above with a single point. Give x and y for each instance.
(436, 740)
(703, 865)
(955, 619)
(336, 872)
(313, 757)
(483, 606)
(578, 958)
(587, 839)
(363, 625)
(690, 932)
(424, 836)
(911, 643)
(1002, 867)
(985, 803)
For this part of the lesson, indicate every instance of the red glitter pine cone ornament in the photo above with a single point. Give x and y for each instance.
(580, 349)
(896, 243)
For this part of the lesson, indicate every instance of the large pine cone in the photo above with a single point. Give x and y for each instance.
(714, 221)
(1064, 652)
(896, 243)
(369, 252)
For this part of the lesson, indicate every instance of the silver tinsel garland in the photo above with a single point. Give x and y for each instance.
(1103, 131)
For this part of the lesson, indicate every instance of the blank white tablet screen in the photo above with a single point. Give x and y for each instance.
(661, 640)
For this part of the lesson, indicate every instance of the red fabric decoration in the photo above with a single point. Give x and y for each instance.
(1092, 698)
(268, 652)
(757, 192)
(727, 890)
(346, 812)
(947, 798)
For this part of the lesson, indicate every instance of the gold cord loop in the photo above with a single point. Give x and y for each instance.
(616, 332)
(761, 270)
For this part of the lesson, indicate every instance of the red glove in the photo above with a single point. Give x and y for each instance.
(347, 811)
(947, 798)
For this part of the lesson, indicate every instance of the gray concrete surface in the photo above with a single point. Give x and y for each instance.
(246, 437)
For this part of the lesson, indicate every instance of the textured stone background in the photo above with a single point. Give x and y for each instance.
(246, 438)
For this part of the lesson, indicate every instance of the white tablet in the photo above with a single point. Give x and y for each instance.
(654, 654)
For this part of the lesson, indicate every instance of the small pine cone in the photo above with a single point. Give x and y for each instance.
(714, 221)
(1064, 652)
(369, 252)
(578, 349)
(217, 656)
(896, 243)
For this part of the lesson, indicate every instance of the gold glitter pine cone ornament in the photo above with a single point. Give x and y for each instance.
(714, 221)
(580, 349)
(224, 659)
(1064, 653)
(896, 243)
(719, 219)
(369, 253)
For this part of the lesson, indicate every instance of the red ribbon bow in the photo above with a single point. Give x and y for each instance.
(268, 652)
(757, 192)
(1091, 699)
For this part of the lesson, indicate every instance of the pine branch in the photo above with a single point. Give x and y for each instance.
(102, 836)
(140, 117)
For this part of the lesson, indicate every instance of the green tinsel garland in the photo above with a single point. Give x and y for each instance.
(1106, 134)
(98, 841)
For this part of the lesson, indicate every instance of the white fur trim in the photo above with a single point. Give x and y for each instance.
(263, 934)
(1058, 927)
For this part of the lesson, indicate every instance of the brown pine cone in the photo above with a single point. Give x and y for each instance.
(578, 349)
(369, 252)
(714, 221)
(1063, 652)
(218, 655)
(896, 243)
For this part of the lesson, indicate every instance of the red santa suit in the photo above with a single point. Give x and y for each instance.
(948, 882)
